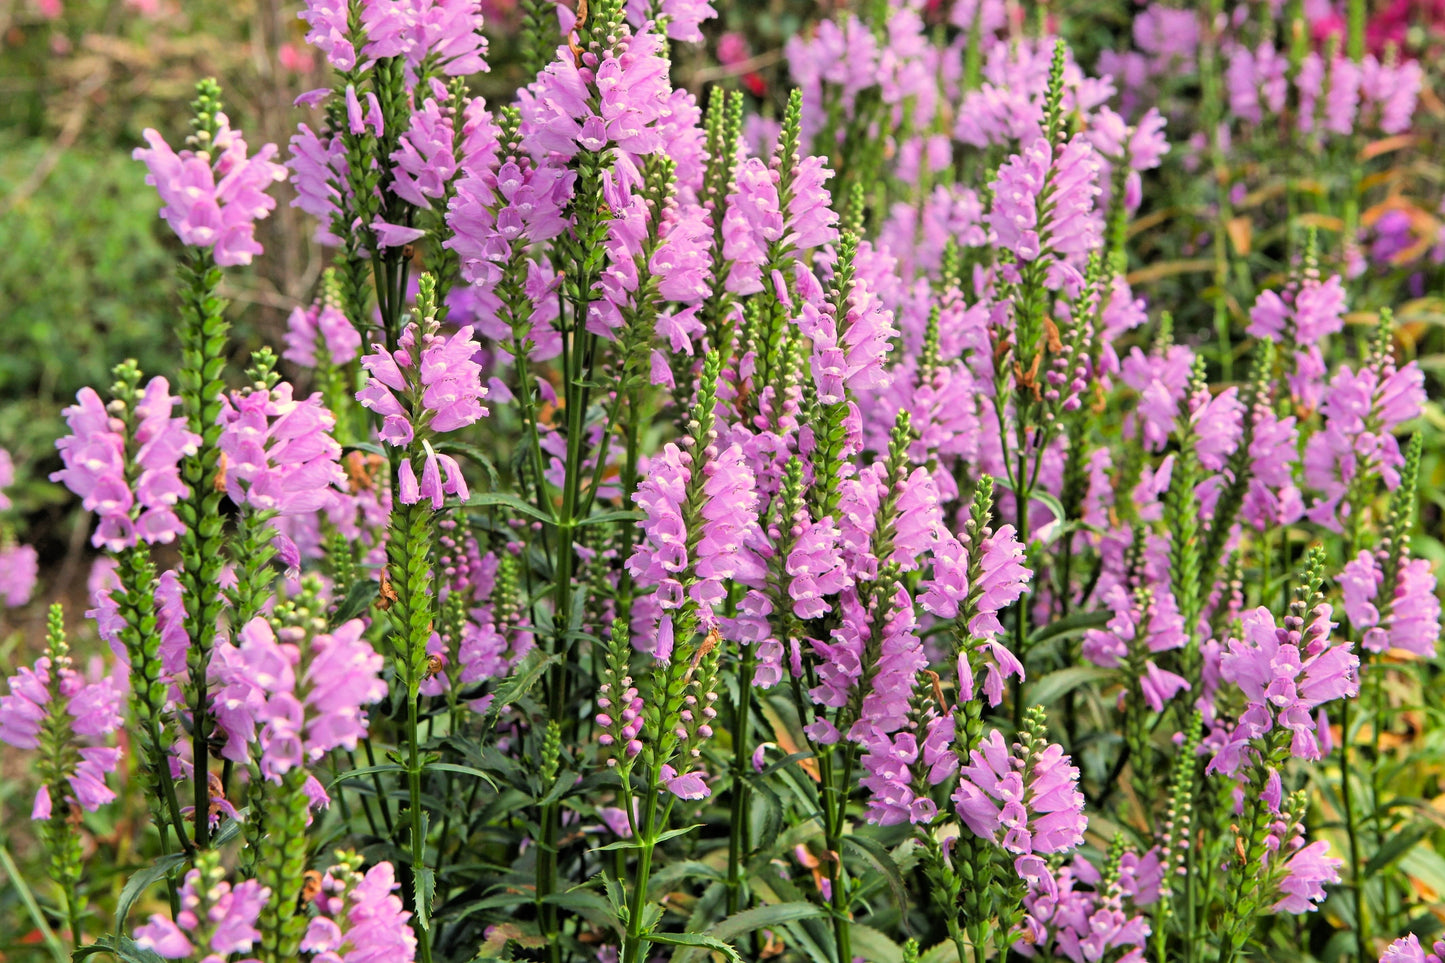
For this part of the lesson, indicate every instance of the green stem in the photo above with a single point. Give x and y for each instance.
(738, 837)
(203, 341)
(635, 941)
(1352, 832)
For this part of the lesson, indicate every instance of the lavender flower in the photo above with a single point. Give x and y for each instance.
(361, 912)
(1411, 621)
(213, 198)
(96, 469)
(280, 455)
(303, 713)
(216, 919)
(321, 325)
(93, 712)
(1407, 949)
(1062, 186)
(1028, 803)
(1286, 673)
(445, 34)
(632, 100)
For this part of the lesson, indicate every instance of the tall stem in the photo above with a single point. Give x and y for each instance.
(738, 837)
(203, 341)
(1352, 832)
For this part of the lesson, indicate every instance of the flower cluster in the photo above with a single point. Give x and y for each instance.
(216, 919)
(302, 712)
(124, 466)
(213, 196)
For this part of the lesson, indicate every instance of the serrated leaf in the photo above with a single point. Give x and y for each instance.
(508, 500)
(699, 940)
(771, 916)
(588, 904)
(136, 886)
(425, 889)
(878, 856)
(516, 685)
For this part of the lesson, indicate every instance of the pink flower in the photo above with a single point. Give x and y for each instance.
(212, 200)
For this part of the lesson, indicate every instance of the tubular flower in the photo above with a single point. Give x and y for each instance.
(1286, 673)
(359, 917)
(214, 198)
(216, 918)
(1411, 621)
(93, 711)
(280, 455)
(96, 469)
(321, 326)
(628, 84)
(1028, 804)
(446, 34)
(303, 713)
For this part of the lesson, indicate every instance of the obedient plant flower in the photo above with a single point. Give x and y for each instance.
(1407, 949)
(134, 500)
(680, 18)
(445, 35)
(19, 564)
(302, 711)
(1411, 618)
(1306, 872)
(612, 96)
(280, 455)
(1286, 673)
(421, 391)
(322, 328)
(1024, 798)
(1044, 204)
(214, 195)
(216, 919)
(359, 917)
(1361, 410)
(48, 707)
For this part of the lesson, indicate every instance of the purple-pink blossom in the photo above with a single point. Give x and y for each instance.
(94, 454)
(280, 453)
(301, 712)
(216, 919)
(361, 912)
(1028, 804)
(1285, 673)
(212, 199)
(320, 327)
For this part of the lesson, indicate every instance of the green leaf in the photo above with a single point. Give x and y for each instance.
(357, 600)
(368, 771)
(426, 884)
(1068, 626)
(508, 500)
(1051, 687)
(873, 946)
(516, 685)
(1396, 846)
(617, 516)
(637, 844)
(882, 861)
(696, 939)
(459, 770)
(588, 904)
(123, 948)
(142, 881)
(764, 917)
